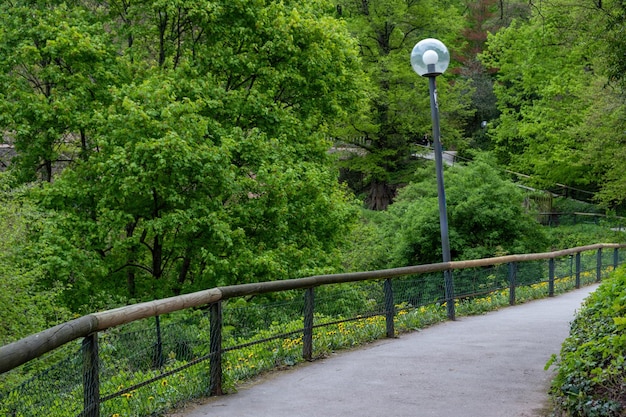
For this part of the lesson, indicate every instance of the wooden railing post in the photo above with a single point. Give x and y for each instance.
(551, 278)
(512, 282)
(215, 362)
(599, 266)
(307, 337)
(390, 308)
(578, 270)
(91, 378)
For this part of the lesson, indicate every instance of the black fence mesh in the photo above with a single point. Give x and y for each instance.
(243, 318)
(420, 290)
(154, 364)
(55, 390)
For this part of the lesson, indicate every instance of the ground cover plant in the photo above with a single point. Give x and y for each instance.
(591, 368)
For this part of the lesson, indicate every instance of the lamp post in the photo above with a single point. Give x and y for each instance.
(430, 58)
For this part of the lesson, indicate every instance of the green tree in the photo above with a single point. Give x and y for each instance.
(212, 165)
(55, 67)
(400, 110)
(27, 307)
(559, 97)
(483, 17)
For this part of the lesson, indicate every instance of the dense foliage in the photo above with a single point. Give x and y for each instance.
(592, 365)
(195, 138)
(27, 306)
(559, 85)
(485, 214)
(385, 137)
(486, 217)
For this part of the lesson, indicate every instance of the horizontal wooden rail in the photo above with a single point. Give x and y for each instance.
(34, 346)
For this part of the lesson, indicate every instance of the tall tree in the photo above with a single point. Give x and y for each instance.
(400, 115)
(556, 76)
(212, 163)
(55, 67)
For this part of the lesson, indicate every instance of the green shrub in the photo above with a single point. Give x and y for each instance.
(590, 381)
(485, 213)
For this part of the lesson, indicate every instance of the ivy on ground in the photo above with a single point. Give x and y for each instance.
(591, 370)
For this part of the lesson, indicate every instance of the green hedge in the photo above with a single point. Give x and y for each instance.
(591, 370)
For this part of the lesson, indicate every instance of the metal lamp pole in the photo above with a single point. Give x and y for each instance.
(430, 58)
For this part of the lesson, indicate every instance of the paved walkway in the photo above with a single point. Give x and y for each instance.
(481, 366)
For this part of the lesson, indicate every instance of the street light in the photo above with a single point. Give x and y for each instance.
(430, 58)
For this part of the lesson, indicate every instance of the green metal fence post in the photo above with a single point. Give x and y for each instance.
(215, 361)
(615, 258)
(449, 292)
(91, 379)
(599, 266)
(578, 270)
(551, 278)
(512, 282)
(390, 308)
(158, 359)
(307, 338)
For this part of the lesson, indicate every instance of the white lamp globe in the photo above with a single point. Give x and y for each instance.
(430, 57)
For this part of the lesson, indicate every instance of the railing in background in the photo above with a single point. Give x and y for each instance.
(558, 219)
(111, 367)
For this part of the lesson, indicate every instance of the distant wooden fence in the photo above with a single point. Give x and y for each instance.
(87, 327)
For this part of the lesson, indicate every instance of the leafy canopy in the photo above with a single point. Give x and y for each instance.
(561, 98)
(196, 141)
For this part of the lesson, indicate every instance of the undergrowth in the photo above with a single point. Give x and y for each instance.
(591, 369)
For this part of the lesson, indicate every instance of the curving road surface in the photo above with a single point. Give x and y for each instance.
(482, 366)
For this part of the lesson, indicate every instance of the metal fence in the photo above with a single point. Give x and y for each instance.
(147, 358)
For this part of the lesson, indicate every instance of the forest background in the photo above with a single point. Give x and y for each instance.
(162, 147)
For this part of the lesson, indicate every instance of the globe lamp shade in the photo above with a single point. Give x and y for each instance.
(430, 58)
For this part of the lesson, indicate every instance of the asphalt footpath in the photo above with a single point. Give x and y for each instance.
(481, 366)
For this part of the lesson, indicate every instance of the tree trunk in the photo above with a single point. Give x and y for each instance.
(182, 275)
(380, 196)
(131, 285)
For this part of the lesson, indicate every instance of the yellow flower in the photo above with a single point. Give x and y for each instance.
(115, 415)
(164, 382)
